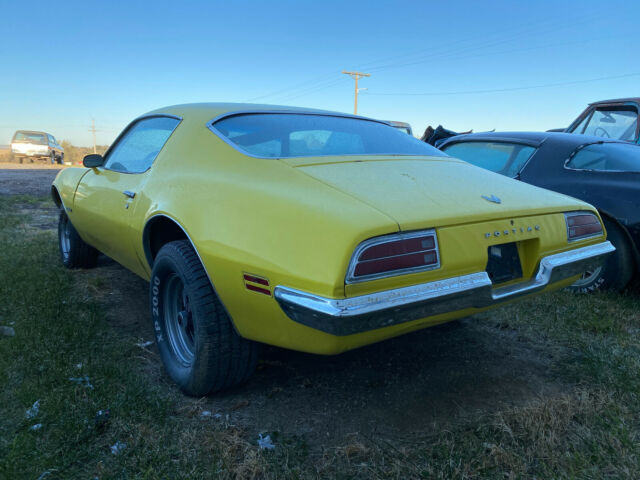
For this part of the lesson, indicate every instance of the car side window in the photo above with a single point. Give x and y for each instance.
(136, 151)
(606, 157)
(52, 142)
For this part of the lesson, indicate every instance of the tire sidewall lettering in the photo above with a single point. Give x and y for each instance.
(155, 307)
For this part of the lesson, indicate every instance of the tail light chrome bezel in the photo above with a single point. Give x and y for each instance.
(372, 242)
(576, 238)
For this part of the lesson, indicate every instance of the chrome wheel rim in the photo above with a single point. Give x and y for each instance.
(178, 320)
(587, 277)
(65, 239)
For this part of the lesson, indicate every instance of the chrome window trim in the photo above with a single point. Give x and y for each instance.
(347, 316)
(582, 237)
(210, 125)
(350, 278)
(129, 127)
(584, 145)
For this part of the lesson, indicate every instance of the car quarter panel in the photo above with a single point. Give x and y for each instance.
(256, 216)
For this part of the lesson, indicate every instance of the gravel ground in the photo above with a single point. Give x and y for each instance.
(27, 179)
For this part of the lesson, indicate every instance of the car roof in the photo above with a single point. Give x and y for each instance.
(617, 100)
(209, 111)
(31, 131)
(534, 139)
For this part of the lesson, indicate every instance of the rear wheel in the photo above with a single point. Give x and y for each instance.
(74, 252)
(617, 270)
(198, 345)
(52, 157)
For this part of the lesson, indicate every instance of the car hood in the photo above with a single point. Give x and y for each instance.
(419, 192)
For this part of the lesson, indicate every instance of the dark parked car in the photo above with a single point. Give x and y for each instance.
(614, 119)
(605, 173)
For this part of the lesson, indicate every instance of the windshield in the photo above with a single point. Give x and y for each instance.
(30, 137)
(618, 123)
(500, 157)
(282, 135)
(606, 157)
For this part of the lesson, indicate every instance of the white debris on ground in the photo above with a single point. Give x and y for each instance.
(35, 427)
(33, 410)
(7, 331)
(265, 442)
(118, 447)
(84, 381)
(44, 475)
(208, 413)
(144, 344)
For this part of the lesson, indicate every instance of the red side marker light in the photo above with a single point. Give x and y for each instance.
(257, 284)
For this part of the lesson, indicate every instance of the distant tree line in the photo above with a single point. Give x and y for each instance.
(75, 154)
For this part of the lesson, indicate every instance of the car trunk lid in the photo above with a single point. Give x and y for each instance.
(421, 192)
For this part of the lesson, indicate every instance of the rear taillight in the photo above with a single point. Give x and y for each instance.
(582, 225)
(394, 255)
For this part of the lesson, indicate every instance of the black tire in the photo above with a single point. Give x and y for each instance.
(61, 159)
(198, 345)
(74, 252)
(618, 269)
(21, 159)
(52, 157)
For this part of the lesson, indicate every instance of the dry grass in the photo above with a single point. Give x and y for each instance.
(590, 431)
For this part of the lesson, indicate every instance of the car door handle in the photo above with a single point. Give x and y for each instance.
(129, 193)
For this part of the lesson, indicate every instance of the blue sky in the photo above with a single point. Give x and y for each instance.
(432, 62)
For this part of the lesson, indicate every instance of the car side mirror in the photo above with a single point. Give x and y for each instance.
(93, 160)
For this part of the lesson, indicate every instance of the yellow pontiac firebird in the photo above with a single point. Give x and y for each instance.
(309, 230)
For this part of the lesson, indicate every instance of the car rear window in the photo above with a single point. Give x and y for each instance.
(500, 157)
(606, 157)
(30, 137)
(282, 135)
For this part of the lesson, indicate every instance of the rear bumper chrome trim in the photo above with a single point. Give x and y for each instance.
(347, 316)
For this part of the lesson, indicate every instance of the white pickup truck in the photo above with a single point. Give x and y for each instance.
(36, 145)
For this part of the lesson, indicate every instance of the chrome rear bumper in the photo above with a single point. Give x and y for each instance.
(381, 309)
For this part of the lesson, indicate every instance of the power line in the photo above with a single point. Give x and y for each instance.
(314, 89)
(512, 89)
(317, 83)
(486, 42)
(465, 45)
(297, 86)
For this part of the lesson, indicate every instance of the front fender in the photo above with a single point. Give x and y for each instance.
(64, 187)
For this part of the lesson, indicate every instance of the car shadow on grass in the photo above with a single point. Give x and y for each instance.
(397, 389)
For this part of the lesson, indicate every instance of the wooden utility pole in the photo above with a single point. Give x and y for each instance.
(356, 76)
(93, 131)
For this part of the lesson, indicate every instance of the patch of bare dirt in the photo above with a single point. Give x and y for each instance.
(27, 179)
(393, 390)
